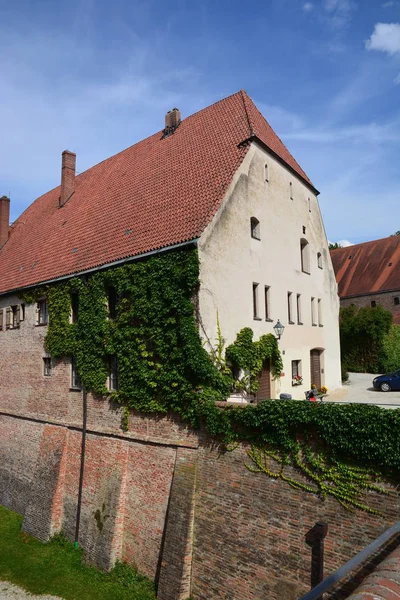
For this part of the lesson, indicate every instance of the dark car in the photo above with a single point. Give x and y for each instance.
(388, 382)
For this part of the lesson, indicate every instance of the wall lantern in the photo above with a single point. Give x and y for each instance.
(279, 329)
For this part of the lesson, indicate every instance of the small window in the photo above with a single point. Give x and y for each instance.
(305, 256)
(304, 230)
(112, 302)
(42, 312)
(267, 303)
(113, 374)
(15, 317)
(266, 173)
(255, 301)
(255, 228)
(309, 205)
(47, 366)
(319, 260)
(298, 305)
(373, 304)
(313, 321)
(396, 301)
(74, 307)
(320, 322)
(290, 308)
(296, 372)
(22, 312)
(75, 380)
(291, 190)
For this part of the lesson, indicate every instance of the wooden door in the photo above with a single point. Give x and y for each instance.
(315, 364)
(264, 379)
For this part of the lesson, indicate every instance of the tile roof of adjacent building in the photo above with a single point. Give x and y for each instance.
(368, 268)
(158, 193)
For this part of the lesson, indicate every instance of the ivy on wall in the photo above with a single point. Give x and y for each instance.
(163, 366)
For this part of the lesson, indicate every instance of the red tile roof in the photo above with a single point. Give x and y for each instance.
(155, 194)
(368, 268)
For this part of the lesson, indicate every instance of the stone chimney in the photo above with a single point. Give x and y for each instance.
(4, 219)
(68, 163)
(172, 120)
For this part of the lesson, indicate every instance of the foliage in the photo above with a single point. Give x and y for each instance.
(56, 568)
(249, 356)
(362, 337)
(327, 477)
(391, 346)
(334, 246)
(397, 233)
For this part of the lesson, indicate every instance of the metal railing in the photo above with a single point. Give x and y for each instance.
(354, 562)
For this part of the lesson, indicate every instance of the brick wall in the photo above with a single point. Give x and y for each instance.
(384, 299)
(160, 496)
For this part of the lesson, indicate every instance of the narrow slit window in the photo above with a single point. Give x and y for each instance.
(42, 312)
(305, 256)
(255, 301)
(309, 205)
(255, 228)
(313, 321)
(267, 303)
(75, 380)
(320, 319)
(298, 304)
(373, 303)
(290, 308)
(74, 307)
(47, 366)
(319, 260)
(113, 374)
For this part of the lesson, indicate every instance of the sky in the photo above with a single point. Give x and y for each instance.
(96, 76)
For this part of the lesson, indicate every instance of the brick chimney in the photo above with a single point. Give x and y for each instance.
(172, 120)
(4, 219)
(68, 163)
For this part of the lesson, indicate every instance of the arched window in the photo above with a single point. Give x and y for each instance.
(266, 174)
(319, 259)
(255, 228)
(305, 255)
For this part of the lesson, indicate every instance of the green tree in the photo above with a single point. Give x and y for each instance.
(334, 245)
(363, 337)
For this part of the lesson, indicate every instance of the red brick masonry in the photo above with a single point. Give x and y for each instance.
(383, 583)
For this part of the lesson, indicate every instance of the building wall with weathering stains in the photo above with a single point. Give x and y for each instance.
(172, 502)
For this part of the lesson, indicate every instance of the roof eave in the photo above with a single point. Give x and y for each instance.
(101, 267)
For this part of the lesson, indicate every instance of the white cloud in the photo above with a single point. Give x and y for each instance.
(308, 7)
(345, 243)
(385, 38)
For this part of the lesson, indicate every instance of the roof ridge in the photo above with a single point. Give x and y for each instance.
(367, 242)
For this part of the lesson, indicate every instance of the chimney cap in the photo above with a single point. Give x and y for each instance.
(5, 198)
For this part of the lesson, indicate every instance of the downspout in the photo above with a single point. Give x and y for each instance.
(78, 509)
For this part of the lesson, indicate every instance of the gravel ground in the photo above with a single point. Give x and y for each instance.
(9, 591)
(359, 389)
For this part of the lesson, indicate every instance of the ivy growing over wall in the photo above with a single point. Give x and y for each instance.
(163, 366)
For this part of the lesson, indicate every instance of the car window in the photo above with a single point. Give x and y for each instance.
(397, 373)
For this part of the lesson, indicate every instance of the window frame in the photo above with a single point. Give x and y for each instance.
(267, 303)
(290, 307)
(42, 312)
(305, 256)
(256, 303)
(320, 319)
(298, 307)
(319, 260)
(112, 374)
(76, 383)
(313, 320)
(47, 366)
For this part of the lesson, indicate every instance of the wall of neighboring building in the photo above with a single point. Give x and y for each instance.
(231, 261)
(384, 299)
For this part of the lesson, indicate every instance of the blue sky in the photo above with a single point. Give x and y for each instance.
(96, 76)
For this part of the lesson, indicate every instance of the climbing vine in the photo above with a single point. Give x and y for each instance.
(163, 366)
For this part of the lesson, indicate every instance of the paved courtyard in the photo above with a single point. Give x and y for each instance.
(359, 389)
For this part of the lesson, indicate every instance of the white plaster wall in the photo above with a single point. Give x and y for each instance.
(230, 261)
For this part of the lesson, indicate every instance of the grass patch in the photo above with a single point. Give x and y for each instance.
(56, 568)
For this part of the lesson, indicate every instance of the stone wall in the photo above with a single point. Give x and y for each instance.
(384, 299)
(166, 499)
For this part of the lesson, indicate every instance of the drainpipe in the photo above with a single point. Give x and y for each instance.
(78, 509)
(83, 444)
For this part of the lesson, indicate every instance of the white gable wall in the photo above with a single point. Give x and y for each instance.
(230, 261)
